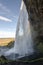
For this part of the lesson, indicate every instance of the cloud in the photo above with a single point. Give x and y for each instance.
(5, 19)
(4, 8)
(6, 34)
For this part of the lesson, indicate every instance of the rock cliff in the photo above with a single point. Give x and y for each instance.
(35, 13)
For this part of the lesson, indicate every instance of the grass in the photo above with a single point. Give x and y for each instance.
(35, 60)
(5, 41)
(30, 61)
(4, 60)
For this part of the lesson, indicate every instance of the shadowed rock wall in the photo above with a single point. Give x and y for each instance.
(35, 13)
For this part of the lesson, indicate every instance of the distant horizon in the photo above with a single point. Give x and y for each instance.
(7, 34)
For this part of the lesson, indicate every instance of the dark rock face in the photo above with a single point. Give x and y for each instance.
(28, 60)
(23, 63)
(35, 13)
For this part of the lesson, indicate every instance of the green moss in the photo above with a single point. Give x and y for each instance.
(4, 60)
(40, 47)
(7, 61)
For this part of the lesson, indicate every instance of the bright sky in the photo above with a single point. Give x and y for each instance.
(9, 13)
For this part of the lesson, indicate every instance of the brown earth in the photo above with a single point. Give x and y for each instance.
(5, 41)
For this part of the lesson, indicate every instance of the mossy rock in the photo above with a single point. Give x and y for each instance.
(40, 47)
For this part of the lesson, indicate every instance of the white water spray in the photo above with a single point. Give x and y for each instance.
(23, 44)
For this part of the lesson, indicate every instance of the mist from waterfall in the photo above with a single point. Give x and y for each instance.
(23, 44)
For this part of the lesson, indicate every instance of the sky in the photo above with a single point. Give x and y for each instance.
(9, 13)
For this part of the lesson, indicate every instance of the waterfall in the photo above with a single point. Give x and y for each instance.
(23, 45)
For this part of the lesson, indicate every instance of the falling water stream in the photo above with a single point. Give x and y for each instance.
(23, 45)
